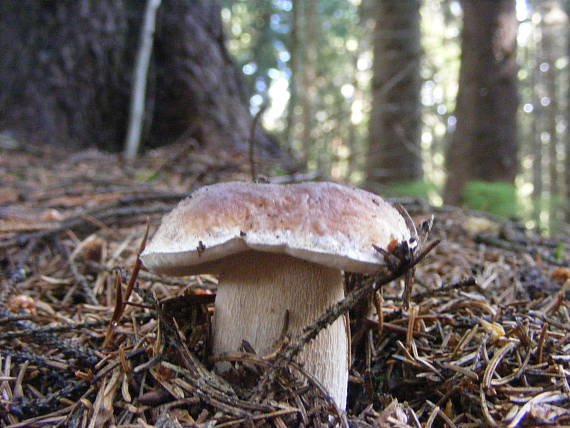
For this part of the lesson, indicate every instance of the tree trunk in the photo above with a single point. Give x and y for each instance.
(309, 67)
(484, 145)
(395, 121)
(549, 33)
(554, 21)
(199, 91)
(567, 146)
(64, 70)
(356, 141)
(535, 131)
(65, 66)
(294, 51)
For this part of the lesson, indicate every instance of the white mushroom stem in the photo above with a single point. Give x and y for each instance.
(253, 296)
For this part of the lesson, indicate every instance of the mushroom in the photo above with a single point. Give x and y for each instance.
(278, 249)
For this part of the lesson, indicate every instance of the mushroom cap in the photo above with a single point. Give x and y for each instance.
(324, 223)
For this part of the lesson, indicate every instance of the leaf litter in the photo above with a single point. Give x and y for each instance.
(87, 339)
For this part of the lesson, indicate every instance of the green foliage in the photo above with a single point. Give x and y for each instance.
(146, 175)
(498, 198)
(560, 251)
(412, 189)
(259, 39)
(259, 31)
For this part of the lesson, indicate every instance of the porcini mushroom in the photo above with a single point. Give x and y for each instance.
(278, 248)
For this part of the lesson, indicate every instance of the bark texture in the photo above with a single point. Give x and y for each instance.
(484, 144)
(62, 71)
(395, 120)
(199, 92)
(66, 66)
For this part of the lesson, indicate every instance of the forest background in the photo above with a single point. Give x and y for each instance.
(456, 102)
(367, 92)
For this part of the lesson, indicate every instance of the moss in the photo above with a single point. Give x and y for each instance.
(412, 189)
(498, 198)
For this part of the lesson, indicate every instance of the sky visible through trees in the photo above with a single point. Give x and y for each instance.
(320, 99)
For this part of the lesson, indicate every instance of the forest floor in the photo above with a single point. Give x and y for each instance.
(485, 341)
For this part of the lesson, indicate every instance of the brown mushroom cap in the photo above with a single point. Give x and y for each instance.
(325, 223)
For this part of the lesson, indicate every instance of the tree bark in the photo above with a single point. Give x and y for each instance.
(200, 93)
(65, 70)
(484, 145)
(567, 146)
(62, 71)
(395, 122)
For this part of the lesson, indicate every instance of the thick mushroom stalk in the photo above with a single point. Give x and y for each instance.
(254, 293)
(278, 248)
